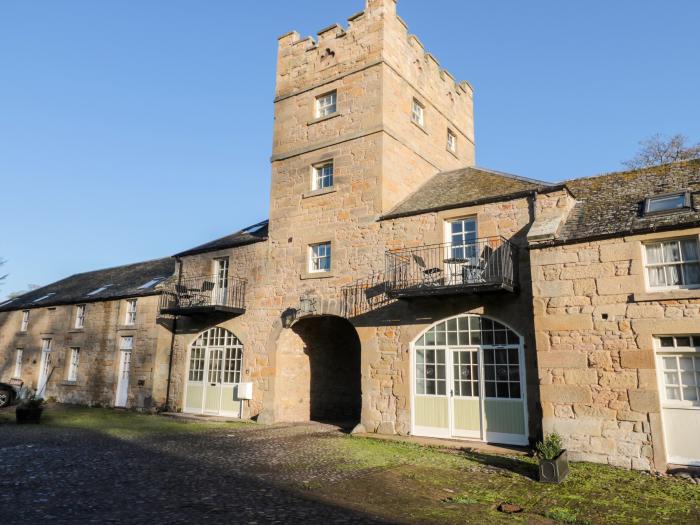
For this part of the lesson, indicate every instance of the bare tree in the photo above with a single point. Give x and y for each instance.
(658, 150)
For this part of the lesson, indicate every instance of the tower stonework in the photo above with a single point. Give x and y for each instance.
(377, 70)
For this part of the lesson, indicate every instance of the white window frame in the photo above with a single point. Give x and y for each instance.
(676, 351)
(24, 326)
(418, 113)
(79, 316)
(680, 263)
(126, 342)
(315, 257)
(451, 141)
(130, 319)
(683, 194)
(326, 104)
(320, 178)
(18, 363)
(73, 361)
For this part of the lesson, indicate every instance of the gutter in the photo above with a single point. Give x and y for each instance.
(166, 408)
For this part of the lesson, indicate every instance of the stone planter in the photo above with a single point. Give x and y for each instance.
(28, 414)
(554, 470)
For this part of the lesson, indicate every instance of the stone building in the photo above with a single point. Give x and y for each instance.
(91, 338)
(398, 286)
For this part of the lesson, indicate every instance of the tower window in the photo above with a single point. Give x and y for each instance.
(322, 176)
(417, 113)
(451, 141)
(326, 104)
(666, 203)
(320, 257)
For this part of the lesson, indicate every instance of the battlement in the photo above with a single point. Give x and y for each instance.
(376, 34)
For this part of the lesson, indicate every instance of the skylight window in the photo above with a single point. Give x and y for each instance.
(667, 203)
(151, 283)
(44, 297)
(100, 289)
(255, 228)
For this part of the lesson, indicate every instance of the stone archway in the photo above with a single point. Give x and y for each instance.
(318, 371)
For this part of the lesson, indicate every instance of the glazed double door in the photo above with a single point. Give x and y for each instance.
(212, 381)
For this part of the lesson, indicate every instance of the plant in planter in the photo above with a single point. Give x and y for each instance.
(554, 464)
(29, 410)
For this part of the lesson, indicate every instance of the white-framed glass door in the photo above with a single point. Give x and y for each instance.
(480, 394)
(122, 394)
(461, 250)
(213, 374)
(678, 369)
(220, 292)
(44, 367)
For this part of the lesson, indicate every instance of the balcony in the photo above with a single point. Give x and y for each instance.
(204, 295)
(485, 265)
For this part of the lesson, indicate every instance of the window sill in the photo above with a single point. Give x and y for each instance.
(321, 191)
(68, 383)
(667, 295)
(453, 153)
(422, 128)
(316, 275)
(76, 330)
(322, 119)
(127, 327)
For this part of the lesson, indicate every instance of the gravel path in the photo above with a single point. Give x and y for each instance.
(215, 476)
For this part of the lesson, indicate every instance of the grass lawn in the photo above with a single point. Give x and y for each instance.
(413, 483)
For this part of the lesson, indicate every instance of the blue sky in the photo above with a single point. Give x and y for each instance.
(131, 130)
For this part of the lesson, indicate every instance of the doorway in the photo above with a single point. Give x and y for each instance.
(468, 382)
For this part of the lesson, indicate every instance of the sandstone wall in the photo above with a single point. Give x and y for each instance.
(595, 324)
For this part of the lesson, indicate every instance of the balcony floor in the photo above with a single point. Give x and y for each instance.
(426, 290)
(193, 311)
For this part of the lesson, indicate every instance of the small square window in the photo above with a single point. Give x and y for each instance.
(667, 203)
(322, 176)
(320, 257)
(326, 104)
(417, 113)
(451, 141)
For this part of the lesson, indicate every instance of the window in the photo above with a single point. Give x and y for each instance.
(417, 113)
(196, 364)
(46, 345)
(501, 372)
(326, 104)
(44, 297)
(430, 372)
(130, 312)
(73, 364)
(220, 293)
(126, 342)
(451, 141)
(80, 316)
(666, 203)
(25, 321)
(461, 235)
(18, 364)
(232, 365)
(673, 264)
(322, 176)
(320, 257)
(100, 289)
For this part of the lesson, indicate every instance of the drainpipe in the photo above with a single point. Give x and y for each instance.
(172, 337)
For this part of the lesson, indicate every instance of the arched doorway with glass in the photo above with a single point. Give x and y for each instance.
(468, 381)
(214, 373)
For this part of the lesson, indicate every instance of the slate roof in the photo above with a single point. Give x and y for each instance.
(251, 234)
(464, 187)
(132, 280)
(612, 204)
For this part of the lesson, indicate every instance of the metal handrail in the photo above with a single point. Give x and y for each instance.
(204, 291)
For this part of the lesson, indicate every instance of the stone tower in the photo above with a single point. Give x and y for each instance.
(372, 73)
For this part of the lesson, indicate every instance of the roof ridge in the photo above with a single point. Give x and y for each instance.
(116, 267)
(640, 170)
(513, 176)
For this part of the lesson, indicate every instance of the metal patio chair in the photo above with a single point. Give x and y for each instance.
(429, 276)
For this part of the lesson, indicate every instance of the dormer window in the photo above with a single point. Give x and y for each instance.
(326, 104)
(666, 203)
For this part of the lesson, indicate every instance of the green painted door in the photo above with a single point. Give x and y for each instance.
(212, 388)
(466, 406)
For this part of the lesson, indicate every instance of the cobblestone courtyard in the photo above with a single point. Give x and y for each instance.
(96, 465)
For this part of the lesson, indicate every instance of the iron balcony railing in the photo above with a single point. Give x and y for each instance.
(482, 265)
(204, 293)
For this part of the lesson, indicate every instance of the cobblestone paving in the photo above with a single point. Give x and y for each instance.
(245, 475)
